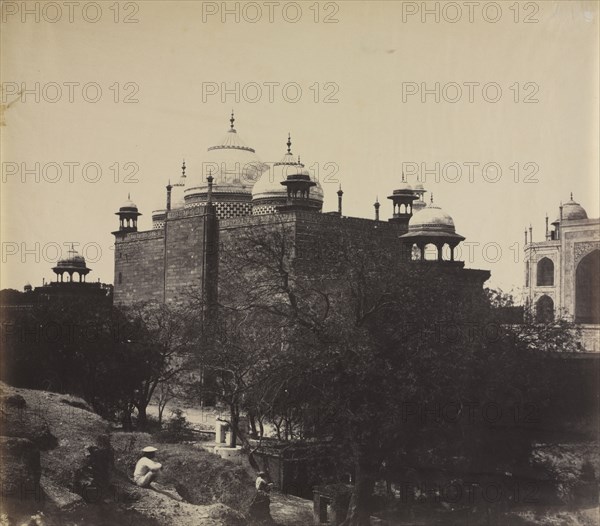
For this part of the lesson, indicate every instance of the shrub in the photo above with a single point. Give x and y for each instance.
(177, 429)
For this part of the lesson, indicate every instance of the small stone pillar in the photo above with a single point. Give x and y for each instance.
(222, 436)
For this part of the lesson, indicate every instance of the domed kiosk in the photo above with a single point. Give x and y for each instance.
(74, 263)
(128, 215)
(403, 197)
(434, 226)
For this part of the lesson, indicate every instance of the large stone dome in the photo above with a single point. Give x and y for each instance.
(234, 166)
(573, 211)
(177, 197)
(269, 184)
(268, 192)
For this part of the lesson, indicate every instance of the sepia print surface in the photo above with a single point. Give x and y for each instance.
(299, 262)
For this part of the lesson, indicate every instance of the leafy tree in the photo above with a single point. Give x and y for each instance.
(160, 346)
(114, 358)
(372, 345)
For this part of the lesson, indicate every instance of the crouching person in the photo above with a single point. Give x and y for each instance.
(146, 470)
(260, 505)
(146, 473)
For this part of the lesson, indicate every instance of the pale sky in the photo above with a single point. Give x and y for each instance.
(367, 65)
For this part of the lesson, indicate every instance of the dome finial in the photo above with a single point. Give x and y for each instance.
(232, 120)
(571, 196)
(431, 198)
(403, 177)
(183, 169)
(128, 196)
(289, 143)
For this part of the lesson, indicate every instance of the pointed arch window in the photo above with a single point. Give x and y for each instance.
(545, 273)
(544, 310)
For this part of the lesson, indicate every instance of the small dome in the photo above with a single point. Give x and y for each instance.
(128, 206)
(403, 187)
(73, 260)
(573, 211)
(419, 187)
(431, 218)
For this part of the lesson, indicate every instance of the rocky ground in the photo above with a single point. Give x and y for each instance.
(62, 466)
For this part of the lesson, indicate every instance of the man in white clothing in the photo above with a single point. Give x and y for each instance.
(146, 470)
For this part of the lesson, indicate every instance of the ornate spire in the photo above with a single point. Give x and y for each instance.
(340, 193)
(169, 188)
(289, 143)
(232, 120)
(210, 180)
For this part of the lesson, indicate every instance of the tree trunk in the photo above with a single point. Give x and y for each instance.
(359, 509)
(261, 428)
(234, 415)
(252, 421)
(142, 417)
(161, 408)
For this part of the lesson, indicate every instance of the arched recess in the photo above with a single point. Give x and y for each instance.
(431, 252)
(545, 273)
(544, 310)
(587, 289)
